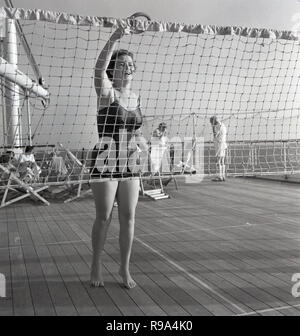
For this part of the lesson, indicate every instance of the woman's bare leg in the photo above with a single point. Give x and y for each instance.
(222, 167)
(219, 165)
(127, 194)
(104, 196)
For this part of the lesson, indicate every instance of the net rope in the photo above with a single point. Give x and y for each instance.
(185, 74)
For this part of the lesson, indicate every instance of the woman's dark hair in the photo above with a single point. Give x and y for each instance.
(213, 120)
(116, 54)
(162, 125)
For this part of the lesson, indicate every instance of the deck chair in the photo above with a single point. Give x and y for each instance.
(156, 191)
(76, 164)
(56, 167)
(16, 184)
(80, 192)
(157, 181)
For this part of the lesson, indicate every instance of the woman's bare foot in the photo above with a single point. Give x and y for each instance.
(127, 279)
(96, 275)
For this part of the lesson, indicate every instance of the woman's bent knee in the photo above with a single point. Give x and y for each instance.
(103, 218)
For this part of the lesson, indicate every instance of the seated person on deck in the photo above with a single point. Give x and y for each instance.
(27, 166)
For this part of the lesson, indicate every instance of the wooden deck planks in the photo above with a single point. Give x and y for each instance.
(21, 295)
(240, 238)
(100, 297)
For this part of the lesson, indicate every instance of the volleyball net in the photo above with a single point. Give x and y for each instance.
(248, 78)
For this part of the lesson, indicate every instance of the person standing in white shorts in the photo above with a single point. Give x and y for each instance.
(219, 133)
(159, 144)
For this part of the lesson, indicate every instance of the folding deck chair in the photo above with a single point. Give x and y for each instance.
(80, 192)
(83, 171)
(156, 192)
(14, 183)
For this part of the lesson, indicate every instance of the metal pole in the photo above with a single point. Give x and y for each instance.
(26, 47)
(194, 141)
(10, 72)
(2, 38)
(285, 159)
(13, 118)
(4, 124)
(28, 117)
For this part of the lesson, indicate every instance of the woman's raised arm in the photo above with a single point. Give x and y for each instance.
(102, 83)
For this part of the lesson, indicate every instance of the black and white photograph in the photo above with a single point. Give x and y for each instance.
(149, 161)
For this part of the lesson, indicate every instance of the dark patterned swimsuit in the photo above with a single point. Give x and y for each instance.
(112, 122)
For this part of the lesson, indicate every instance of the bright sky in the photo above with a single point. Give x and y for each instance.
(276, 14)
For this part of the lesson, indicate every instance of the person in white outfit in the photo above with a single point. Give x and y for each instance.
(27, 166)
(220, 142)
(159, 144)
(58, 165)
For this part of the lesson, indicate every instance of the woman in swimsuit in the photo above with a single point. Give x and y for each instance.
(119, 117)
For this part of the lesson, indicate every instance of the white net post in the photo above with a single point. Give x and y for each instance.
(13, 117)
